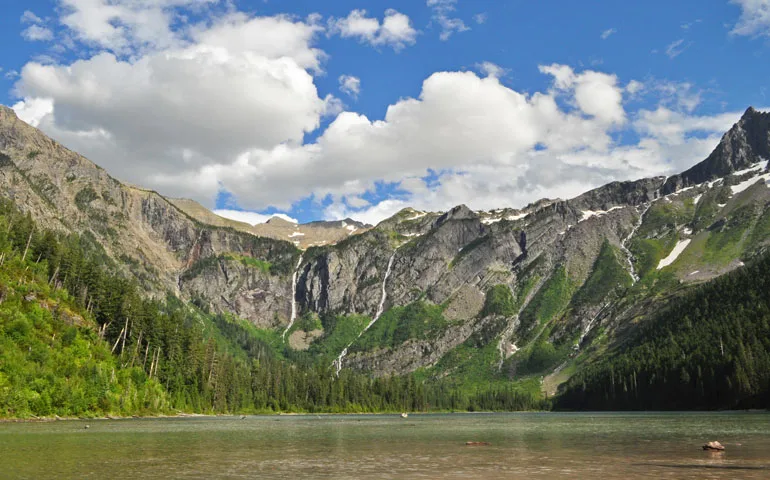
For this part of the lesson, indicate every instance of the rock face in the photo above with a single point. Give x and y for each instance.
(147, 235)
(567, 265)
(747, 143)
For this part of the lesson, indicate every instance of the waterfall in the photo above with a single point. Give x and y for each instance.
(293, 299)
(380, 308)
(629, 255)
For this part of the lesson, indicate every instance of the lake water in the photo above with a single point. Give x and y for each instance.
(523, 445)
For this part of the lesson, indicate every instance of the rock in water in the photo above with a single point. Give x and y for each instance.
(714, 447)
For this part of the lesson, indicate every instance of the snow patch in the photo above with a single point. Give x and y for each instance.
(756, 166)
(678, 249)
(296, 234)
(697, 198)
(745, 185)
(597, 213)
(416, 216)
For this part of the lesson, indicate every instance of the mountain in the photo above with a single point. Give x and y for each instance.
(527, 296)
(306, 235)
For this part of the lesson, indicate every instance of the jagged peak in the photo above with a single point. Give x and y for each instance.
(752, 112)
(460, 212)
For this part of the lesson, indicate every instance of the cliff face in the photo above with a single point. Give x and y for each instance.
(511, 291)
(148, 236)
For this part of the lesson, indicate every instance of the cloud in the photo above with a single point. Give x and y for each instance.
(350, 85)
(595, 94)
(755, 18)
(676, 48)
(36, 33)
(481, 18)
(245, 85)
(229, 103)
(492, 70)
(608, 33)
(252, 218)
(442, 14)
(634, 87)
(125, 26)
(29, 17)
(395, 31)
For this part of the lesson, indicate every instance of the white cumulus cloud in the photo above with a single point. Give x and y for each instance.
(443, 11)
(395, 30)
(350, 85)
(755, 18)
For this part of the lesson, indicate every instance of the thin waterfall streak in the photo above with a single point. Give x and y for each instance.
(629, 255)
(380, 310)
(293, 317)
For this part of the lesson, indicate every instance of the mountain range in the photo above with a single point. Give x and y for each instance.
(532, 295)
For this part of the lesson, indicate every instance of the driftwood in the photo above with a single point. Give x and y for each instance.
(477, 444)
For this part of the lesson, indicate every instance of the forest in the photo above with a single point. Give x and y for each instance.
(708, 349)
(78, 338)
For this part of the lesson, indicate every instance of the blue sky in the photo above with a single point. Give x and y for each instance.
(241, 104)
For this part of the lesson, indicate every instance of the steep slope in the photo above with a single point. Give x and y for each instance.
(164, 248)
(460, 296)
(708, 350)
(577, 271)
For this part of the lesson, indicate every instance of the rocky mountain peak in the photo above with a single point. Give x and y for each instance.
(279, 222)
(745, 144)
(460, 212)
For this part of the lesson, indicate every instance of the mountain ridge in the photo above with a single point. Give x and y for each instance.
(507, 293)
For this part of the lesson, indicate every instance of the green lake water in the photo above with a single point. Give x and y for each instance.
(523, 445)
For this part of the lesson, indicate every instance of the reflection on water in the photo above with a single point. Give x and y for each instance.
(527, 445)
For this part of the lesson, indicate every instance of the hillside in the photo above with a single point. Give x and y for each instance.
(518, 299)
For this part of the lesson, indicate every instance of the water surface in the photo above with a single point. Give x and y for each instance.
(523, 445)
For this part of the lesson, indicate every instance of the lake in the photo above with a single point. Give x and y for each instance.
(523, 445)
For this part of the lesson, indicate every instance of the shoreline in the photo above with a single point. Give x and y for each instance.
(57, 418)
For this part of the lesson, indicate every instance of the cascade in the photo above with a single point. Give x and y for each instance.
(293, 298)
(380, 309)
(629, 255)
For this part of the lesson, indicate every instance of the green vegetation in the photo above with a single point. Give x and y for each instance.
(608, 273)
(340, 331)
(550, 301)
(709, 349)
(262, 265)
(84, 198)
(77, 339)
(727, 236)
(418, 320)
(499, 301)
(648, 252)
